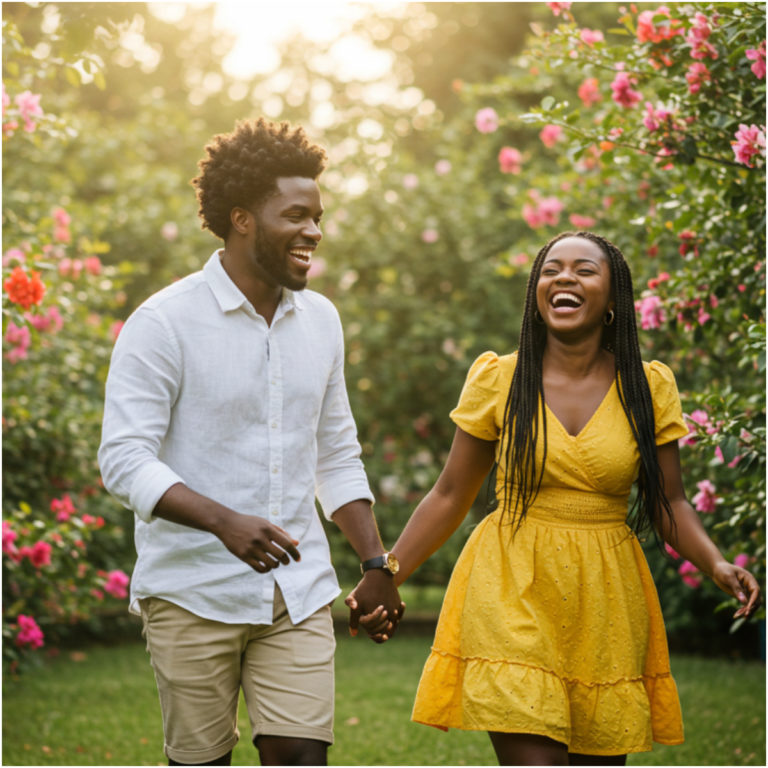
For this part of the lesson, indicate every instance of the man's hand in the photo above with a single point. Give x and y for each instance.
(375, 603)
(257, 542)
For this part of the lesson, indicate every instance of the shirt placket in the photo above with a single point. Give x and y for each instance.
(275, 436)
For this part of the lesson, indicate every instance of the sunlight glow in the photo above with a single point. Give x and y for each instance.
(259, 25)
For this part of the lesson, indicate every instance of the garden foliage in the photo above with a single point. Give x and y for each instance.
(644, 124)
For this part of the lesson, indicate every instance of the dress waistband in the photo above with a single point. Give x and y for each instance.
(581, 508)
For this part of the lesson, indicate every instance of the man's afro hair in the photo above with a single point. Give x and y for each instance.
(241, 168)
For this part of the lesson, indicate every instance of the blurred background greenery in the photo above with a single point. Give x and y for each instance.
(425, 250)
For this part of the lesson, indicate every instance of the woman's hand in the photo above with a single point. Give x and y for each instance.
(741, 584)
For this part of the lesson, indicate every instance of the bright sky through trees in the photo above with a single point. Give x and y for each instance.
(260, 26)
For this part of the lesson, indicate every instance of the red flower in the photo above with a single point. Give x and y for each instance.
(24, 289)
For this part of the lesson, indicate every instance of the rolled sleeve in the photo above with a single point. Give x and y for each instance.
(340, 476)
(142, 385)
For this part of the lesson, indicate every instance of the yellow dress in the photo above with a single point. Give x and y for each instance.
(557, 631)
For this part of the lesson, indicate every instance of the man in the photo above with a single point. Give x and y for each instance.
(226, 413)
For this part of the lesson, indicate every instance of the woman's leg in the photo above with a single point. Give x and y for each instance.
(528, 749)
(575, 759)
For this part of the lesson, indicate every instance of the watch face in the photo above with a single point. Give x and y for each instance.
(392, 565)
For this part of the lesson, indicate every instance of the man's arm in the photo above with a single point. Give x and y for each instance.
(256, 541)
(144, 381)
(376, 590)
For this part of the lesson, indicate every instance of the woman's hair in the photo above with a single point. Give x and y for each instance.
(241, 168)
(521, 415)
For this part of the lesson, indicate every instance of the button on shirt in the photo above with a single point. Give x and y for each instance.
(203, 392)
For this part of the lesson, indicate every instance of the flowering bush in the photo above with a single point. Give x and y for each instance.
(62, 561)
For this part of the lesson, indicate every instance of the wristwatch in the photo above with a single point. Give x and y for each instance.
(387, 562)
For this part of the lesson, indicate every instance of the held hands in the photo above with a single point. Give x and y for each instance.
(741, 584)
(259, 543)
(375, 604)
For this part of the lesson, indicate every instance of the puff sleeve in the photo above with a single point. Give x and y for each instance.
(476, 412)
(667, 411)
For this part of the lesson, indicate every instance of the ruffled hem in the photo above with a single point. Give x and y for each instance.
(614, 717)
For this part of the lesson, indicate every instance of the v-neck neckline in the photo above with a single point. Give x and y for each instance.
(589, 420)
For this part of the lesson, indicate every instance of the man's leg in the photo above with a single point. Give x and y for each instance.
(197, 669)
(287, 679)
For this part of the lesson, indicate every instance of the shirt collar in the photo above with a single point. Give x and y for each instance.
(230, 297)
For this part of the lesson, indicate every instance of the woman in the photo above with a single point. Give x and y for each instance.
(550, 637)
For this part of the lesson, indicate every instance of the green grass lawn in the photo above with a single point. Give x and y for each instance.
(99, 706)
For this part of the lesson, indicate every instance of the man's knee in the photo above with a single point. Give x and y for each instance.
(284, 750)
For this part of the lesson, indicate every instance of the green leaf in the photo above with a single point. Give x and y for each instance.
(547, 103)
(72, 75)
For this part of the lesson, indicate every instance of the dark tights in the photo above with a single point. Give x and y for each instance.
(530, 749)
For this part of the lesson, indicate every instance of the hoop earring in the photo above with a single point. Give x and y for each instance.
(609, 317)
(537, 316)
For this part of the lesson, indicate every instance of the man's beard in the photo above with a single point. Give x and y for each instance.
(274, 267)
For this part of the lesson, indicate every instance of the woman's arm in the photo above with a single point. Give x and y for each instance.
(434, 520)
(689, 538)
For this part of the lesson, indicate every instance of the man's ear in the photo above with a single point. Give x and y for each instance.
(241, 220)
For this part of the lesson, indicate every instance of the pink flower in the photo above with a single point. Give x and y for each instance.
(589, 91)
(486, 120)
(706, 499)
(591, 36)
(116, 584)
(542, 211)
(623, 92)
(655, 282)
(698, 38)
(649, 32)
(9, 537)
(169, 231)
(758, 56)
(29, 107)
(63, 508)
(550, 135)
(750, 142)
(652, 314)
(687, 571)
(51, 321)
(741, 560)
(14, 255)
(697, 75)
(317, 267)
(442, 167)
(6, 99)
(30, 633)
(510, 160)
(656, 118)
(410, 181)
(61, 217)
(582, 222)
(556, 8)
(92, 265)
(115, 328)
(40, 554)
(20, 339)
(671, 552)
(430, 236)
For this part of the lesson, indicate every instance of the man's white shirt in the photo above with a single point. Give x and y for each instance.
(203, 392)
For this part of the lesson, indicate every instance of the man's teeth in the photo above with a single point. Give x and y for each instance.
(305, 254)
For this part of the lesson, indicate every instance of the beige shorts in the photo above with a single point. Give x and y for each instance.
(285, 671)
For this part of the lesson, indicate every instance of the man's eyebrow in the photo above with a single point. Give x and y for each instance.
(301, 208)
